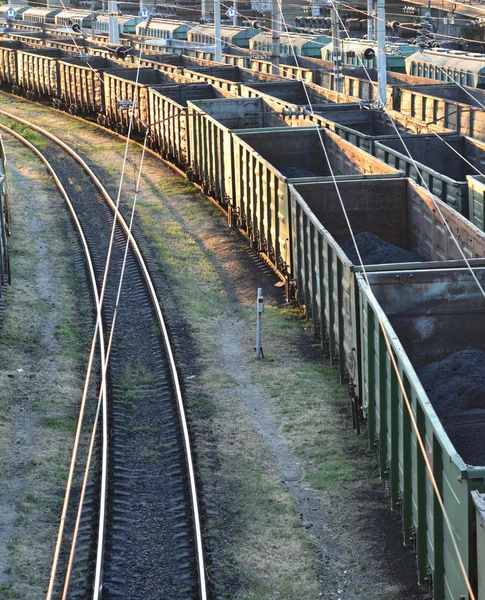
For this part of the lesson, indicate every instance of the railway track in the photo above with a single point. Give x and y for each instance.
(138, 534)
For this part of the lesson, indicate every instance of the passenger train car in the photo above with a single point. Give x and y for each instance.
(464, 68)
(354, 54)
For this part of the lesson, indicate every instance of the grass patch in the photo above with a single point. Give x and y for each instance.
(35, 138)
(135, 376)
(197, 284)
(154, 454)
(63, 330)
(59, 423)
(135, 379)
(176, 185)
(141, 429)
(6, 591)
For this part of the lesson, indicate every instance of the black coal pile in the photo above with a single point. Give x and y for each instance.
(296, 172)
(456, 386)
(375, 251)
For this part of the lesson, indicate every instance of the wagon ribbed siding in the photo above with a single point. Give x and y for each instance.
(427, 315)
(476, 200)
(397, 211)
(287, 69)
(436, 164)
(38, 71)
(169, 105)
(8, 62)
(260, 187)
(81, 83)
(210, 125)
(447, 105)
(479, 502)
(122, 84)
(293, 93)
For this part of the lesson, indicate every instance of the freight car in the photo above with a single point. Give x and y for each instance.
(227, 77)
(418, 305)
(294, 95)
(432, 320)
(126, 92)
(403, 216)
(81, 84)
(440, 165)
(168, 116)
(364, 128)
(460, 109)
(216, 120)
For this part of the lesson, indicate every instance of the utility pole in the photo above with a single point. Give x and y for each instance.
(337, 50)
(276, 19)
(370, 20)
(237, 18)
(93, 22)
(217, 30)
(381, 55)
(114, 32)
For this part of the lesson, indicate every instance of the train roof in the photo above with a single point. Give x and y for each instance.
(79, 14)
(122, 20)
(164, 25)
(391, 48)
(46, 12)
(469, 61)
(295, 39)
(230, 33)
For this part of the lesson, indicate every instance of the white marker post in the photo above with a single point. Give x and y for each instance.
(260, 308)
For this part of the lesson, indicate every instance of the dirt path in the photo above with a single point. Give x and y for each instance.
(292, 504)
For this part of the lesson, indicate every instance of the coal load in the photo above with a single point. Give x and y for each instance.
(455, 386)
(296, 172)
(375, 251)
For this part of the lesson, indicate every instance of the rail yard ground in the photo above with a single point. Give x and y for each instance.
(292, 504)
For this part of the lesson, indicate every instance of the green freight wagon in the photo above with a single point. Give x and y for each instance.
(427, 316)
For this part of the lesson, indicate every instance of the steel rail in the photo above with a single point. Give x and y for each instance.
(99, 332)
(166, 339)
